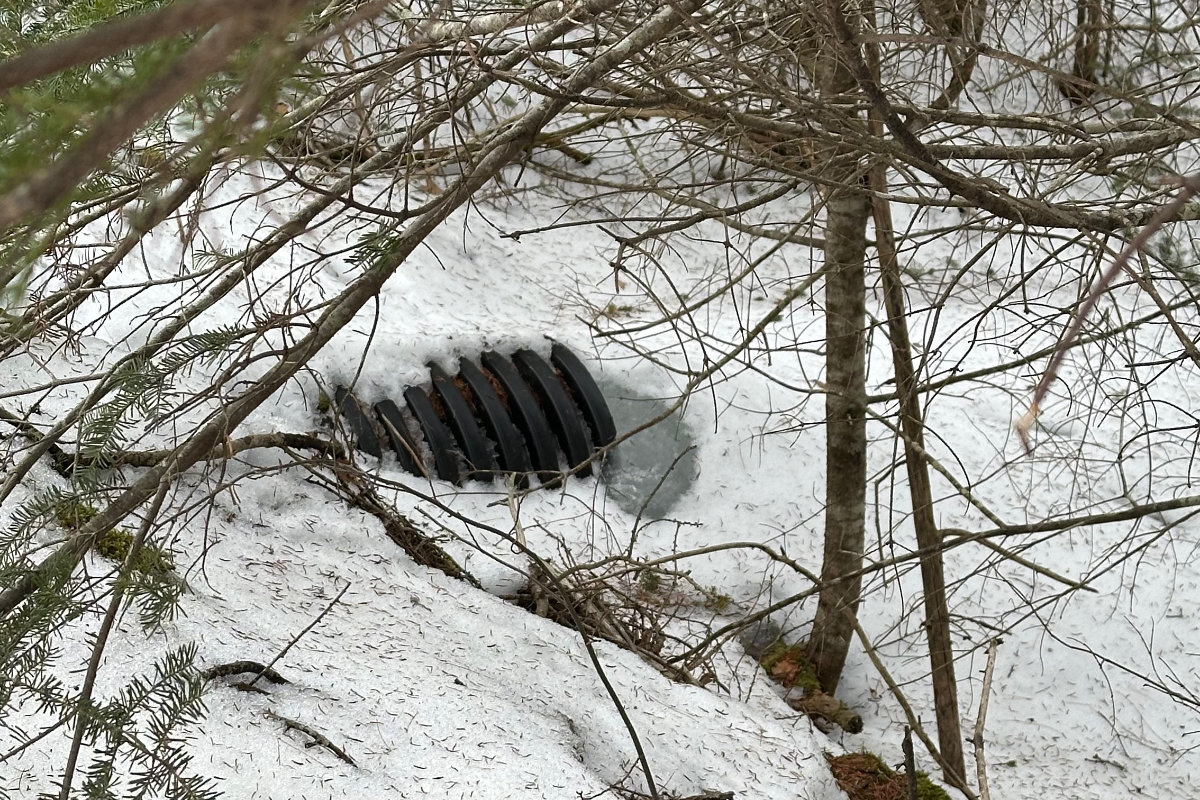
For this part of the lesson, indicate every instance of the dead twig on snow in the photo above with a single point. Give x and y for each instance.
(318, 738)
(262, 673)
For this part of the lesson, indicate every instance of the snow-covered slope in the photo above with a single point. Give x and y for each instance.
(435, 688)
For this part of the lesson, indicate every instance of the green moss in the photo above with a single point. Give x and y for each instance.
(324, 404)
(789, 664)
(717, 601)
(928, 790)
(876, 764)
(73, 514)
(615, 310)
(114, 544)
(650, 580)
(865, 776)
(773, 655)
(151, 559)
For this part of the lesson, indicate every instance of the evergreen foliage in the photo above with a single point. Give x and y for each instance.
(136, 750)
(43, 119)
(426, 110)
(133, 739)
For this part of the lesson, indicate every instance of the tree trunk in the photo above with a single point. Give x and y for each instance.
(1081, 84)
(929, 539)
(845, 433)
(847, 208)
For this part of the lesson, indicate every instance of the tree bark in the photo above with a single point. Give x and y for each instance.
(1079, 87)
(912, 425)
(845, 434)
(847, 208)
(937, 622)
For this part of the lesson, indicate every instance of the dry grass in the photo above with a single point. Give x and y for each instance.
(863, 776)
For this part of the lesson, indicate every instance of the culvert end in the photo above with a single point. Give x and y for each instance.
(522, 416)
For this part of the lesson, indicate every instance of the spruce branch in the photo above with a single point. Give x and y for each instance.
(110, 38)
(504, 148)
(45, 188)
(110, 617)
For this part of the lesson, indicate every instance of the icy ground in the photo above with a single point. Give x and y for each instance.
(437, 689)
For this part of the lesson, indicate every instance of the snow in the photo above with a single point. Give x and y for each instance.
(439, 689)
(435, 688)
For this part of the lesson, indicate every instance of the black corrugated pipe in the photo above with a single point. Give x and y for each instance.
(503, 415)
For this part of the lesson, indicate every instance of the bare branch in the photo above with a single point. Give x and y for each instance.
(977, 740)
(121, 34)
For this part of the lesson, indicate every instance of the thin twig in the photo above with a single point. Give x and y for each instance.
(262, 673)
(355, 487)
(914, 722)
(547, 572)
(1189, 186)
(977, 739)
(317, 736)
(110, 618)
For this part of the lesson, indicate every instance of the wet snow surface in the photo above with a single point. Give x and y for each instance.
(437, 689)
